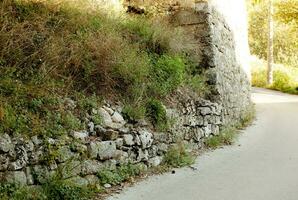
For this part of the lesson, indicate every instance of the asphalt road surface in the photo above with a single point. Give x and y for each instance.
(261, 165)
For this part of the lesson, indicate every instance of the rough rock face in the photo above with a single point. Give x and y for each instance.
(82, 154)
(226, 76)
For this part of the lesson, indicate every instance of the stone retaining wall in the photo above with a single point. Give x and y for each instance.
(79, 156)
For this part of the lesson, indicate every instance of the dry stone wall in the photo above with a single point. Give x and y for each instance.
(79, 156)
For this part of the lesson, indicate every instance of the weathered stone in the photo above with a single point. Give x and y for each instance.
(70, 169)
(41, 173)
(155, 161)
(79, 181)
(117, 118)
(80, 135)
(17, 177)
(162, 148)
(122, 157)
(110, 134)
(124, 130)
(153, 151)
(5, 143)
(162, 137)
(17, 165)
(36, 141)
(110, 164)
(108, 109)
(36, 157)
(107, 185)
(4, 161)
(128, 139)
(91, 167)
(205, 110)
(119, 143)
(146, 138)
(143, 155)
(198, 134)
(64, 154)
(92, 179)
(91, 127)
(29, 146)
(69, 103)
(99, 130)
(106, 117)
(102, 150)
(29, 175)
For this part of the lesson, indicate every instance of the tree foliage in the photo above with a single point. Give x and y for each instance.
(285, 30)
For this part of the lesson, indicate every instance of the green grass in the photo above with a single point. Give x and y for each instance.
(229, 133)
(52, 189)
(177, 156)
(120, 174)
(226, 137)
(285, 79)
(52, 51)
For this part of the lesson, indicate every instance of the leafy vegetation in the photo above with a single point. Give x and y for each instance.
(53, 51)
(285, 79)
(52, 189)
(120, 174)
(285, 44)
(177, 156)
(228, 134)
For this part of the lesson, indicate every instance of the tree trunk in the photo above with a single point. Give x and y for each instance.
(270, 56)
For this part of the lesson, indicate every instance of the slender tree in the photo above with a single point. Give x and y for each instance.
(270, 56)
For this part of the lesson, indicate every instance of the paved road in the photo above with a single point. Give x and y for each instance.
(262, 165)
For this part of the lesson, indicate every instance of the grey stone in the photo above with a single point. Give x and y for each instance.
(51, 141)
(17, 177)
(99, 130)
(107, 185)
(162, 148)
(41, 173)
(92, 180)
(70, 169)
(79, 181)
(80, 135)
(29, 176)
(91, 167)
(6, 144)
(108, 109)
(143, 155)
(106, 117)
(128, 139)
(117, 118)
(154, 162)
(110, 134)
(64, 154)
(36, 141)
(29, 146)
(119, 143)
(91, 126)
(4, 161)
(110, 164)
(146, 138)
(124, 130)
(69, 103)
(102, 150)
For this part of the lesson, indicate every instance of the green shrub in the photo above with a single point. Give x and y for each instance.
(177, 156)
(63, 190)
(167, 74)
(156, 113)
(120, 174)
(226, 137)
